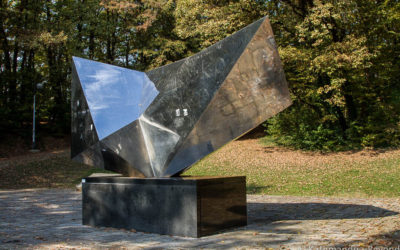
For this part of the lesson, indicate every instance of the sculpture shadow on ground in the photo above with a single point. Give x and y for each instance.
(269, 212)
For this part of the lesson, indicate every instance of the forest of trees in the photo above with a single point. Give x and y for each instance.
(341, 58)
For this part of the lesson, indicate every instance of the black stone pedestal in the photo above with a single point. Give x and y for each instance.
(185, 206)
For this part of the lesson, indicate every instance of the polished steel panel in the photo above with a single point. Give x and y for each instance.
(116, 96)
(157, 124)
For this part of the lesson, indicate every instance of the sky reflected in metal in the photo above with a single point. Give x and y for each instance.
(116, 96)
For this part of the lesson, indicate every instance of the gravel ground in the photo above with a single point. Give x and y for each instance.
(51, 219)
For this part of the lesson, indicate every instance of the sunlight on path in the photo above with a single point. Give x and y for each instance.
(51, 219)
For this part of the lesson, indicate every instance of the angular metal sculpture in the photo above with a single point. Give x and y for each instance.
(158, 123)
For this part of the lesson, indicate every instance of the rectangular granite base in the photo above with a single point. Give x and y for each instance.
(184, 206)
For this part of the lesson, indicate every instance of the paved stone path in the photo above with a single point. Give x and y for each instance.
(51, 219)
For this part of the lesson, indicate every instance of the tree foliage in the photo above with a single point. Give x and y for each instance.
(342, 62)
(341, 58)
(38, 39)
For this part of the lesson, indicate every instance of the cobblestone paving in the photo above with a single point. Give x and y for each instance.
(51, 219)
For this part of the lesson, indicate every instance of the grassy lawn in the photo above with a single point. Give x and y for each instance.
(277, 171)
(380, 178)
(269, 169)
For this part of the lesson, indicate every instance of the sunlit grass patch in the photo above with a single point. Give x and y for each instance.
(276, 171)
(269, 170)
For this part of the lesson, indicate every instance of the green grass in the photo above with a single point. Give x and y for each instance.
(367, 176)
(267, 141)
(374, 178)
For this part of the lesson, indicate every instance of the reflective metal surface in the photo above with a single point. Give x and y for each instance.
(116, 96)
(161, 122)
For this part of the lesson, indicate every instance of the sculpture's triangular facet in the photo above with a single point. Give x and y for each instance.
(195, 106)
(116, 96)
(128, 143)
(160, 141)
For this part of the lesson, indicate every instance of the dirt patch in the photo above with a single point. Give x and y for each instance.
(44, 170)
(32, 157)
(13, 145)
